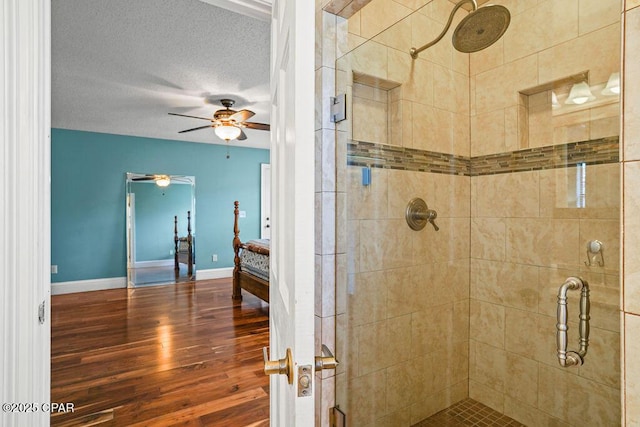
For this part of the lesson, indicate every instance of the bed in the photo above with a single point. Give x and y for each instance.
(251, 264)
(183, 248)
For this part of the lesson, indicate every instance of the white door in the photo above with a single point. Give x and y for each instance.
(25, 230)
(265, 201)
(291, 289)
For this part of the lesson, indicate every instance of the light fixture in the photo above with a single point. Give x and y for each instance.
(579, 94)
(227, 132)
(163, 180)
(554, 100)
(613, 85)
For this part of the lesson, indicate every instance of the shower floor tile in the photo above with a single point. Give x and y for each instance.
(468, 412)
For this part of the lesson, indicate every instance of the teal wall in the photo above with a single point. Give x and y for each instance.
(155, 209)
(88, 197)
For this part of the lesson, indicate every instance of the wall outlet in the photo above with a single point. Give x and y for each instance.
(54, 269)
(242, 214)
(170, 251)
(214, 258)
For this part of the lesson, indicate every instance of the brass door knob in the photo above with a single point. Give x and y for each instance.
(326, 360)
(281, 366)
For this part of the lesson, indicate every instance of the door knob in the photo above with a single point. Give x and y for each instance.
(281, 366)
(326, 360)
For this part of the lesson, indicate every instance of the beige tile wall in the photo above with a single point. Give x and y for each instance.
(429, 107)
(562, 39)
(631, 209)
(328, 261)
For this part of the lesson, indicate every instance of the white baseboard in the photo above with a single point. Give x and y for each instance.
(121, 282)
(88, 285)
(214, 273)
(155, 263)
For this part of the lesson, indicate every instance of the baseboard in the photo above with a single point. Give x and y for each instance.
(88, 285)
(214, 273)
(155, 263)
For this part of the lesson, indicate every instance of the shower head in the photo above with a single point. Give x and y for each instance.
(481, 28)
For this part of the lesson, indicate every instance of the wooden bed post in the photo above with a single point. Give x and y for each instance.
(237, 292)
(176, 266)
(189, 246)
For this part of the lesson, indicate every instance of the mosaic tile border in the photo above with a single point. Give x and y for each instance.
(592, 152)
(393, 157)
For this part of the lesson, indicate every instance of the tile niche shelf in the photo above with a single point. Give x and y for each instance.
(375, 109)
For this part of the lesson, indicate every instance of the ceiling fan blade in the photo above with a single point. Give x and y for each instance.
(193, 117)
(242, 115)
(259, 126)
(242, 136)
(190, 130)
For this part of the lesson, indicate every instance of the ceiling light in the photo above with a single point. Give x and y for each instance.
(579, 94)
(613, 85)
(227, 132)
(163, 181)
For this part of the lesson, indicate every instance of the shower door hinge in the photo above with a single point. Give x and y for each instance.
(41, 318)
(337, 418)
(338, 108)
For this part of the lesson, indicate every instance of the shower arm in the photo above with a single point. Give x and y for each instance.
(414, 52)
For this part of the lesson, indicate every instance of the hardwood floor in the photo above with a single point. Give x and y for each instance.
(160, 356)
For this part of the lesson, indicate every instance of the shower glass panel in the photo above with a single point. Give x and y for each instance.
(521, 165)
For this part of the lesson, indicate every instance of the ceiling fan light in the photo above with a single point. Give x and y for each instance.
(227, 132)
(163, 181)
(579, 94)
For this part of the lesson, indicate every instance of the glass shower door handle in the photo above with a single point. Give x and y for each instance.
(572, 358)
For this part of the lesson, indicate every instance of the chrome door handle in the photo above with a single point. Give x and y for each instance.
(572, 358)
(280, 367)
(326, 360)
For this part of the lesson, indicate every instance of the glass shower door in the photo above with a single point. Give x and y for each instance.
(522, 177)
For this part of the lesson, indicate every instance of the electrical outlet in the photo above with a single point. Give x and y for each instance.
(242, 214)
(170, 251)
(54, 269)
(214, 257)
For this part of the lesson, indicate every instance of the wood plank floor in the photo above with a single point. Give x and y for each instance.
(169, 355)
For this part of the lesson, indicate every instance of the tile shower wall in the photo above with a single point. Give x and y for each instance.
(527, 233)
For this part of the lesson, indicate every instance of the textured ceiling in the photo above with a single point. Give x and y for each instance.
(119, 66)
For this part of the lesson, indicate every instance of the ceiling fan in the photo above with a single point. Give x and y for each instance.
(160, 179)
(228, 123)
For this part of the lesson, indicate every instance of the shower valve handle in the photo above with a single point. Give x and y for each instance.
(418, 214)
(432, 215)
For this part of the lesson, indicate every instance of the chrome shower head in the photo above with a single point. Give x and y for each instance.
(481, 28)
